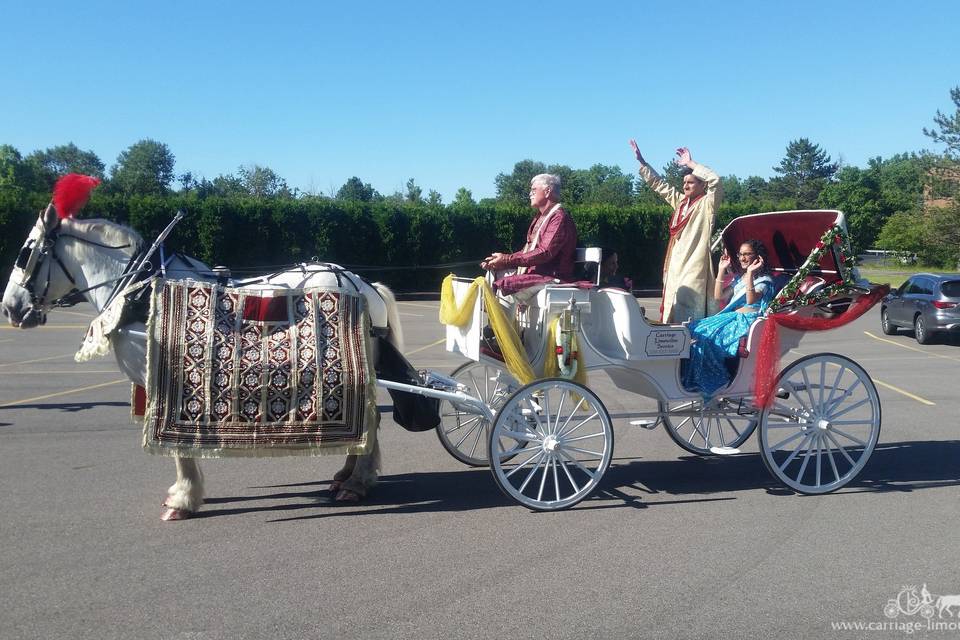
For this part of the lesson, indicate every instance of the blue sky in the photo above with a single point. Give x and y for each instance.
(452, 93)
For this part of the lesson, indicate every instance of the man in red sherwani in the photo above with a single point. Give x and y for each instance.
(549, 253)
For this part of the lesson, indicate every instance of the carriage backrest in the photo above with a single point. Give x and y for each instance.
(790, 237)
(586, 255)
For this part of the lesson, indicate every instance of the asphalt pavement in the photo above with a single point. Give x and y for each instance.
(672, 545)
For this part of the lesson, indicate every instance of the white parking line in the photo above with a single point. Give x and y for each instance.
(52, 327)
(422, 306)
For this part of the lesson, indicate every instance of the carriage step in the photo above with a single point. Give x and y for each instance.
(724, 451)
(646, 423)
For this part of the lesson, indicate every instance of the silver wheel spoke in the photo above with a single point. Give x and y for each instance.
(819, 456)
(585, 452)
(585, 421)
(556, 483)
(533, 411)
(806, 459)
(842, 450)
(562, 430)
(823, 375)
(792, 455)
(796, 396)
(509, 453)
(576, 487)
(556, 425)
(577, 463)
(467, 434)
(798, 434)
(535, 456)
(843, 396)
(592, 435)
(546, 413)
(833, 464)
(528, 436)
(844, 412)
(849, 437)
(833, 389)
(806, 382)
(476, 442)
(543, 478)
(533, 471)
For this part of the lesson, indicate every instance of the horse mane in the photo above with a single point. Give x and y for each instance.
(106, 232)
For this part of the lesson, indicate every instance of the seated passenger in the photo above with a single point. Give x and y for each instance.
(551, 248)
(716, 338)
(609, 277)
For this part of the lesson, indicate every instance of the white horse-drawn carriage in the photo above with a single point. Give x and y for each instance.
(550, 441)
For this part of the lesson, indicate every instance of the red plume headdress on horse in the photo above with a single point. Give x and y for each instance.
(71, 192)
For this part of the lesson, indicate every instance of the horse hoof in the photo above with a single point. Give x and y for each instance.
(347, 496)
(174, 514)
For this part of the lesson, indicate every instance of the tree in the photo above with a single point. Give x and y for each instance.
(414, 193)
(902, 233)
(262, 182)
(948, 128)
(58, 161)
(603, 184)
(856, 192)
(146, 167)
(755, 188)
(356, 189)
(943, 172)
(804, 171)
(464, 198)
(16, 175)
(434, 198)
(514, 187)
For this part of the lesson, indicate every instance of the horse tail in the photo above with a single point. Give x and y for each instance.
(395, 334)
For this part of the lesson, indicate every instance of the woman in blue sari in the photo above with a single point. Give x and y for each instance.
(716, 338)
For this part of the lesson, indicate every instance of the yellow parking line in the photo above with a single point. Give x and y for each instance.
(62, 393)
(432, 344)
(885, 384)
(906, 346)
(906, 393)
(13, 364)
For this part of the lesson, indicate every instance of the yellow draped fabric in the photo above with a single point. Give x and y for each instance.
(514, 356)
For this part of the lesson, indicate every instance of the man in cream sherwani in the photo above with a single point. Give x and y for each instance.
(688, 272)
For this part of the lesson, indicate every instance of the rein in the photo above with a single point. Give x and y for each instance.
(47, 247)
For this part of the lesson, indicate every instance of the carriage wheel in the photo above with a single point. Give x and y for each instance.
(561, 436)
(823, 424)
(723, 422)
(465, 435)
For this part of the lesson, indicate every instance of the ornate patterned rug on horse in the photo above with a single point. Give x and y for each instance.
(243, 372)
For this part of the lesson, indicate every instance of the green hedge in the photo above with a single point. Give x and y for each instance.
(398, 240)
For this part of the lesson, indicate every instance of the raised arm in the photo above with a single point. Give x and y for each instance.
(703, 172)
(654, 181)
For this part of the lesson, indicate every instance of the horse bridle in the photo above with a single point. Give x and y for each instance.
(41, 244)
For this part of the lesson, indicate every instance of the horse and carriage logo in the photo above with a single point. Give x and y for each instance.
(911, 601)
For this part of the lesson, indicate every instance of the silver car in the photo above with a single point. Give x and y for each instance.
(927, 303)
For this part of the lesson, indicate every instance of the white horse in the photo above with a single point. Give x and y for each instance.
(65, 260)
